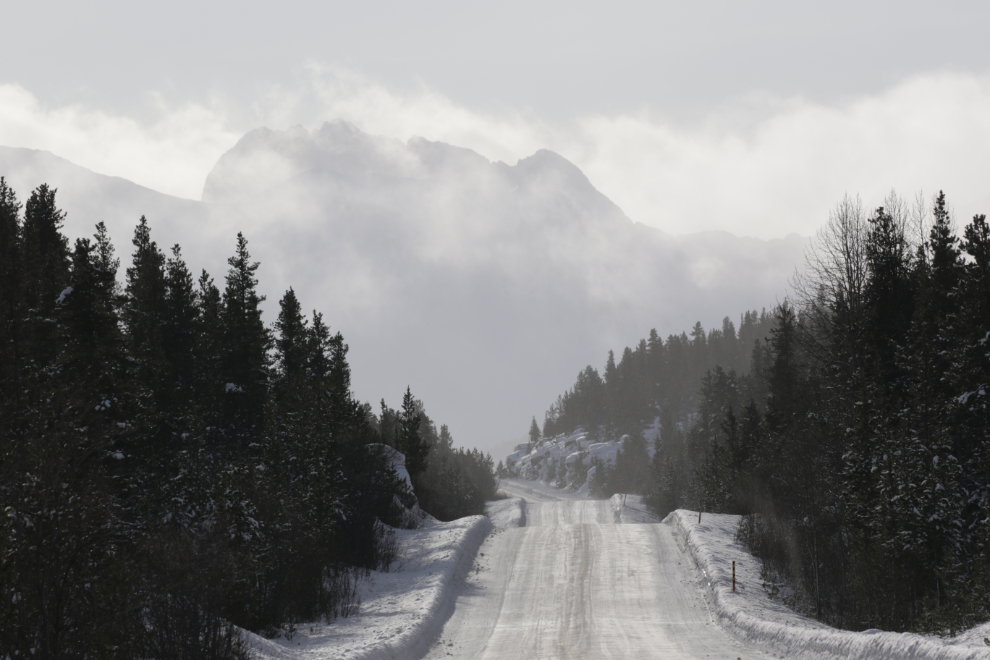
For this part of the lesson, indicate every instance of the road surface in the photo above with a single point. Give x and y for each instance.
(572, 584)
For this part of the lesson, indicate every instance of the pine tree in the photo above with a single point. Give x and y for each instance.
(180, 325)
(290, 341)
(445, 442)
(972, 370)
(145, 291)
(209, 349)
(67, 546)
(889, 292)
(534, 432)
(11, 302)
(244, 350)
(46, 271)
(411, 441)
(347, 418)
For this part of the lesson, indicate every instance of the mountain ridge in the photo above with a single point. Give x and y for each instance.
(484, 286)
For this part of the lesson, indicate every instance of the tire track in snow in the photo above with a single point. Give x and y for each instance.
(572, 584)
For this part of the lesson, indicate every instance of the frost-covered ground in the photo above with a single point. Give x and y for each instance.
(507, 513)
(559, 576)
(629, 509)
(576, 583)
(751, 615)
(748, 613)
(403, 610)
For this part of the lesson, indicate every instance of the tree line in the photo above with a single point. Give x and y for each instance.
(627, 396)
(171, 467)
(856, 445)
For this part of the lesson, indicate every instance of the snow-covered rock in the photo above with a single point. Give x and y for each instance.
(397, 460)
(413, 517)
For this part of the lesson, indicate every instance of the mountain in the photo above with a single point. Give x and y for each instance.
(482, 285)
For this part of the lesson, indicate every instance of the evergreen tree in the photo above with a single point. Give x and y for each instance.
(66, 549)
(146, 290)
(209, 350)
(155, 489)
(534, 432)
(11, 299)
(411, 441)
(290, 342)
(243, 350)
(180, 324)
(46, 271)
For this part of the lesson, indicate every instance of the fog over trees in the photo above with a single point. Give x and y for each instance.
(171, 465)
(848, 425)
(180, 456)
(454, 249)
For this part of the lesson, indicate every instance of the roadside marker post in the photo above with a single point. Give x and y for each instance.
(733, 575)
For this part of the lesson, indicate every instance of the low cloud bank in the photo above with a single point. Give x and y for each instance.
(760, 166)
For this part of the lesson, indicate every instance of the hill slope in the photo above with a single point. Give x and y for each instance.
(484, 286)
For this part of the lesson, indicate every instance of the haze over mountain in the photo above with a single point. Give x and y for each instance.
(482, 285)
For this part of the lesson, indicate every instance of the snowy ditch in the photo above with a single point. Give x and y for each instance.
(401, 611)
(750, 615)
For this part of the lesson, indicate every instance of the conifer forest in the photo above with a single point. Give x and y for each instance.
(171, 466)
(848, 425)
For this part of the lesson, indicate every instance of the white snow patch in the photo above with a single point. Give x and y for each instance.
(65, 292)
(539, 491)
(532, 461)
(402, 611)
(630, 509)
(507, 513)
(750, 615)
(398, 461)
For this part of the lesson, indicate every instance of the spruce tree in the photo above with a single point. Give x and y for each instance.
(290, 340)
(411, 441)
(534, 432)
(67, 545)
(46, 271)
(244, 350)
(180, 321)
(11, 301)
(209, 352)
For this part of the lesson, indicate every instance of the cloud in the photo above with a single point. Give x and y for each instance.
(172, 155)
(760, 166)
(786, 170)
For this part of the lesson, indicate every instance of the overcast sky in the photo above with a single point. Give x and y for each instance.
(750, 117)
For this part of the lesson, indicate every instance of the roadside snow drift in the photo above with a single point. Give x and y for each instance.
(401, 611)
(753, 617)
(508, 513)
(630, 510)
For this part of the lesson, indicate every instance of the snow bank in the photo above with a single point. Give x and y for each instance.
(507, 513)
(401, 611)
(750, 615)
(629, 509)
(396, 459)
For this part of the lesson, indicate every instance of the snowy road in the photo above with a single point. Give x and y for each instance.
(572, 584)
